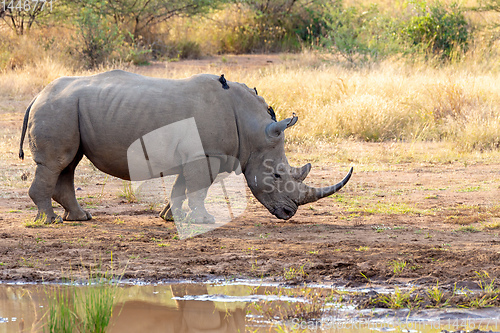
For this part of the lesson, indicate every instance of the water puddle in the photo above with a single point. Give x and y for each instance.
(236, 306)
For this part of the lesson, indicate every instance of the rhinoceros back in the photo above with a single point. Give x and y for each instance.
(115, 109)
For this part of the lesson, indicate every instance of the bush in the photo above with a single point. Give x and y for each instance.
(280, 25)
(98, 36)
(17, 51)
(356, 33)
(344, 27)
(438, 29)
(254, 30)
(188, 50)
(135, 51)
(180, 49)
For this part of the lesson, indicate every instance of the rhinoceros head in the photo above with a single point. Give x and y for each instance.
(276, 184)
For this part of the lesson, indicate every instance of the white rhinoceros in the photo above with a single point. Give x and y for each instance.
(215, 126)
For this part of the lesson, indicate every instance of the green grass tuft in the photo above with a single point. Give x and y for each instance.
(36, 223)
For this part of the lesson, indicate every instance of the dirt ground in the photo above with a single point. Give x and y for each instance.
(413, 222)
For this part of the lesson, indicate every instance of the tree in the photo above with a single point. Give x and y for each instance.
(97, 35)
(139, 16)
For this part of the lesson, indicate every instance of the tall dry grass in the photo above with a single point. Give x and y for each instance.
(389, 101)
(31, 79)
(28, 63)
(393, 100)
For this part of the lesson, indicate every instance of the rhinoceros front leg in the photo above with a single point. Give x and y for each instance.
(173, 210)
(65, 193)
(198, 180)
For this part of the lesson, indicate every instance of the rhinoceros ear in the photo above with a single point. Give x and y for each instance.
(274, 130)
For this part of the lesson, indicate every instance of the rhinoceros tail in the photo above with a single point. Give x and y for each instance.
(25, 127)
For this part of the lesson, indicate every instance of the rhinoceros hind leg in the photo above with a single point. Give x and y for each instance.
(41, 191)
(65, 193)
(199, 177)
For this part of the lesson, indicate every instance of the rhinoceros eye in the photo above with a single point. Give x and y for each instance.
(277, 175)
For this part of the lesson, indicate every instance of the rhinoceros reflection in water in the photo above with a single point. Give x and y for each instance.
(179, 317)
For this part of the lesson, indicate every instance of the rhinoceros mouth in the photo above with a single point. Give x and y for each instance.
(284, 212)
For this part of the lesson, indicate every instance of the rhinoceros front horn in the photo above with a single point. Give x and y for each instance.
(311, 194)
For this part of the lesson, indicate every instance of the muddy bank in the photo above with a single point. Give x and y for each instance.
(387, 227)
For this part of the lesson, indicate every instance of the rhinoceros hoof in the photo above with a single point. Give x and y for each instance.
(53, 220)
(200, 218)
(80, 216)
(166, 213)
(173, 214)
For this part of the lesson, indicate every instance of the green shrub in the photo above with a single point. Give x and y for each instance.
(344, 27)
(357, 33)
(136, 51)
(138, 55)
(253, 30)
(438, 29)
(188, 50)
(262, 26)
(176, 49)
(98, 36)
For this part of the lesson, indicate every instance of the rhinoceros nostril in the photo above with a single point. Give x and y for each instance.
(287, 212)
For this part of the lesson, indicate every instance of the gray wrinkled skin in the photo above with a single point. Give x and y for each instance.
(100, 116)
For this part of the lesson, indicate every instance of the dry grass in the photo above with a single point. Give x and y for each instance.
(386, 102)
(32, 78)
(467, 215)
(29, 63)
(494, 225)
